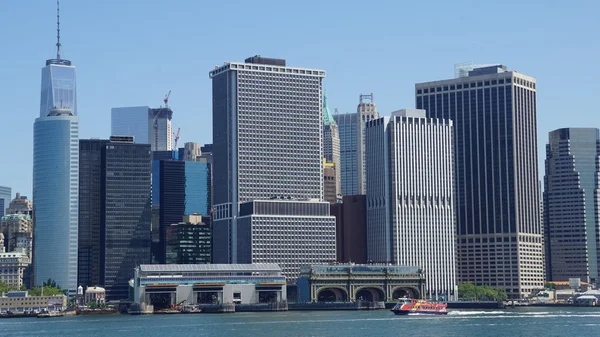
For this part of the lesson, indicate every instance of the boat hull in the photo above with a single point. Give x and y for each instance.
(418, 312)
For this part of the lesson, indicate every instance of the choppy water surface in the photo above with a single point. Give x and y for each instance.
(509, 322)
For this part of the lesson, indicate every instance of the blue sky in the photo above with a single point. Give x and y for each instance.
(132, 52)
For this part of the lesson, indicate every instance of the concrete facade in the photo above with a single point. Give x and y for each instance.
(352, 282)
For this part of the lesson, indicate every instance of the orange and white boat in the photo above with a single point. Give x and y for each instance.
(407, 306)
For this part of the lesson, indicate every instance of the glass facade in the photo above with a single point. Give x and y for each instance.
(58, 89)
(55, 199)
(130, 121)
(5, 198)
(189, 243)
(571, 204)
(91, 197)
(348, 135)
(126, 215)
(197, 184)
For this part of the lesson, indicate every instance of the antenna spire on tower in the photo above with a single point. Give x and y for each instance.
(58, 29)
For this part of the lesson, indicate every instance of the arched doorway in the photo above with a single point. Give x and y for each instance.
(370, 294)
(404, 293)
(332, 295)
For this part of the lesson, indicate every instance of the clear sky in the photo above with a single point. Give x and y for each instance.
(132, 52)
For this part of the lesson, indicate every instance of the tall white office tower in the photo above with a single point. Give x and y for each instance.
(130, 121)
(352, 145)
(56, 176)
(496, 164)
(267, 151)
(410, 197)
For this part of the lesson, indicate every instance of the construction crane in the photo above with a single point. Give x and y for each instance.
(166, 100)
(176, 138)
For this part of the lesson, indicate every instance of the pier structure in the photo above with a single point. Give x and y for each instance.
(353, 282)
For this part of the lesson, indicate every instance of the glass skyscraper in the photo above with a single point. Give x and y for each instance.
(56, 177)
(572, 205)
(5, 198)
(130, 121)
(496, 168)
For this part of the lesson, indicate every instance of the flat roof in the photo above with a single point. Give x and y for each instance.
(270, 267)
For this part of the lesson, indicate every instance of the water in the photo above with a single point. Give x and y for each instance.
(509, 322)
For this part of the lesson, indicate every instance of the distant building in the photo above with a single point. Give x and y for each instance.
(352, 145)
(14, 300)
(269, 159)
(5, 198)
(179, 188)
(189, 242)
(192, 151)
(497, 210)
(20, 205)
(18, 232)
(208, 284)
(130, 121)
(329, 182)
(13, 265)
(160, 130)
(331, 144)
(572, 205)
(115, 197)
(351, 229)
(410, 197)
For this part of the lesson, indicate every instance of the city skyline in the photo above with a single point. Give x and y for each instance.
(133, 76)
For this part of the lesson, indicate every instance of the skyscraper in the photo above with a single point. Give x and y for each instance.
(56, 176)
(5, 197)
(267, 145)
(496, 170)
(115, 191)
(131, 121)
(410, 197)
(352, 145)
(331, 144)
(160, 131)
(179, 188)
(571, 204)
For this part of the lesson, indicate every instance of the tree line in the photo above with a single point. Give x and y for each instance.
(471, 292)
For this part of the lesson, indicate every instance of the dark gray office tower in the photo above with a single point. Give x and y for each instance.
(115, 191)
(572, 205)
(91, 197)
(497, 195)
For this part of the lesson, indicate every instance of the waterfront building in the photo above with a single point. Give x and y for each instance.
(19, 300)
(94, 295)
(273, 154)
(189, 241)
(56, 176)
(160, 130)
(290, 233)
(353, 282)
(5, 197)
(130, 121)
(331, 145)
(179, 188)
(352, 145)
(496, 175)
(410, 197)
(115, 218)
(571, 204)
(351, 229)
(163, 286)
(329, 182)
(13, 265)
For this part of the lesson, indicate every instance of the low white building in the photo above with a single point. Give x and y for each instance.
(167, 285)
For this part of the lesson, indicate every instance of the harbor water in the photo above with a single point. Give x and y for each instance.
(571, 321)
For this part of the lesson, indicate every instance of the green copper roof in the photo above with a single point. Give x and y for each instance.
(327, 117)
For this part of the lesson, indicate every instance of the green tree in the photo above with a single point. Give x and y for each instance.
(467, 291)
(4, 288)
(471, 292)
(48, 291)
(550, 285)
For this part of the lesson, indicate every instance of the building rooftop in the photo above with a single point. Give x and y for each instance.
(260, 267)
